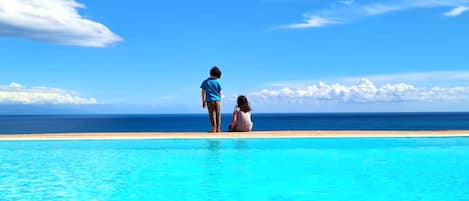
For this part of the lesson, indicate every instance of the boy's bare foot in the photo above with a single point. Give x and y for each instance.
(218, 130)
(213, 130)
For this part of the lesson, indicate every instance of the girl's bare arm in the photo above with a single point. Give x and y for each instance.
(233, 120)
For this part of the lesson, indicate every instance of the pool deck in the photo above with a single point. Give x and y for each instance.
(247, 135)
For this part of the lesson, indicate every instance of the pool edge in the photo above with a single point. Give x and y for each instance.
(247, 135)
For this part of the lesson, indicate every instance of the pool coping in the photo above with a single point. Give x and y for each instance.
(231, 135)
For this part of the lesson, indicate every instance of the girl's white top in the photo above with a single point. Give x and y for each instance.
(243, 122)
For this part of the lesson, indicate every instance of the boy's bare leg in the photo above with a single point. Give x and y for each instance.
(212, 115)
(218, 115)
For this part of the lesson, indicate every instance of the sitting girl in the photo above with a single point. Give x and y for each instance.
(241, 121)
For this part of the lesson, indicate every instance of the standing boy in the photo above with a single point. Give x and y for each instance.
(211, 98)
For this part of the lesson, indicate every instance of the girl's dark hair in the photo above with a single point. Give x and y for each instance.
(215, 72)
(243, 104)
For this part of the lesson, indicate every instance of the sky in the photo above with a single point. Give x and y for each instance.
(74, 56)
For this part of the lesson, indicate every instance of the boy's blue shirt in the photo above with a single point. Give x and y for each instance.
(212, 89)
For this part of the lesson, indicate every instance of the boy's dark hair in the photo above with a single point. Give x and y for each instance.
(215, 72)
(243, 104)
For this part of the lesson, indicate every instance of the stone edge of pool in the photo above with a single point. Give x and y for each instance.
(247, 135)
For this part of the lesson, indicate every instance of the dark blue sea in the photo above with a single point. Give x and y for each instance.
(19, 124)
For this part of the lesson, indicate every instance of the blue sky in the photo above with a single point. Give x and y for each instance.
(285, 55)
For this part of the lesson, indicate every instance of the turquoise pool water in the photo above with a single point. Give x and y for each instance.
(270, 169)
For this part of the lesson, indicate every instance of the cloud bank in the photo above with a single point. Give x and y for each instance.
(364, 91)
(345, 11)
(56, 21)
(15, 93)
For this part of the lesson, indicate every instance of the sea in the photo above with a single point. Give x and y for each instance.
(26, 124)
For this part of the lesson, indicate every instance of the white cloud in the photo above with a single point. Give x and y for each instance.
(16, 93)
(56, 21)
(365, 91)
(347, 2)
(350, 10)
(377, 9)
(457, 11)
(398, 5)
(313, 21)
(15, 85)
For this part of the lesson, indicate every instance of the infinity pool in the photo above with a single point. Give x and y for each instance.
(269, 169)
